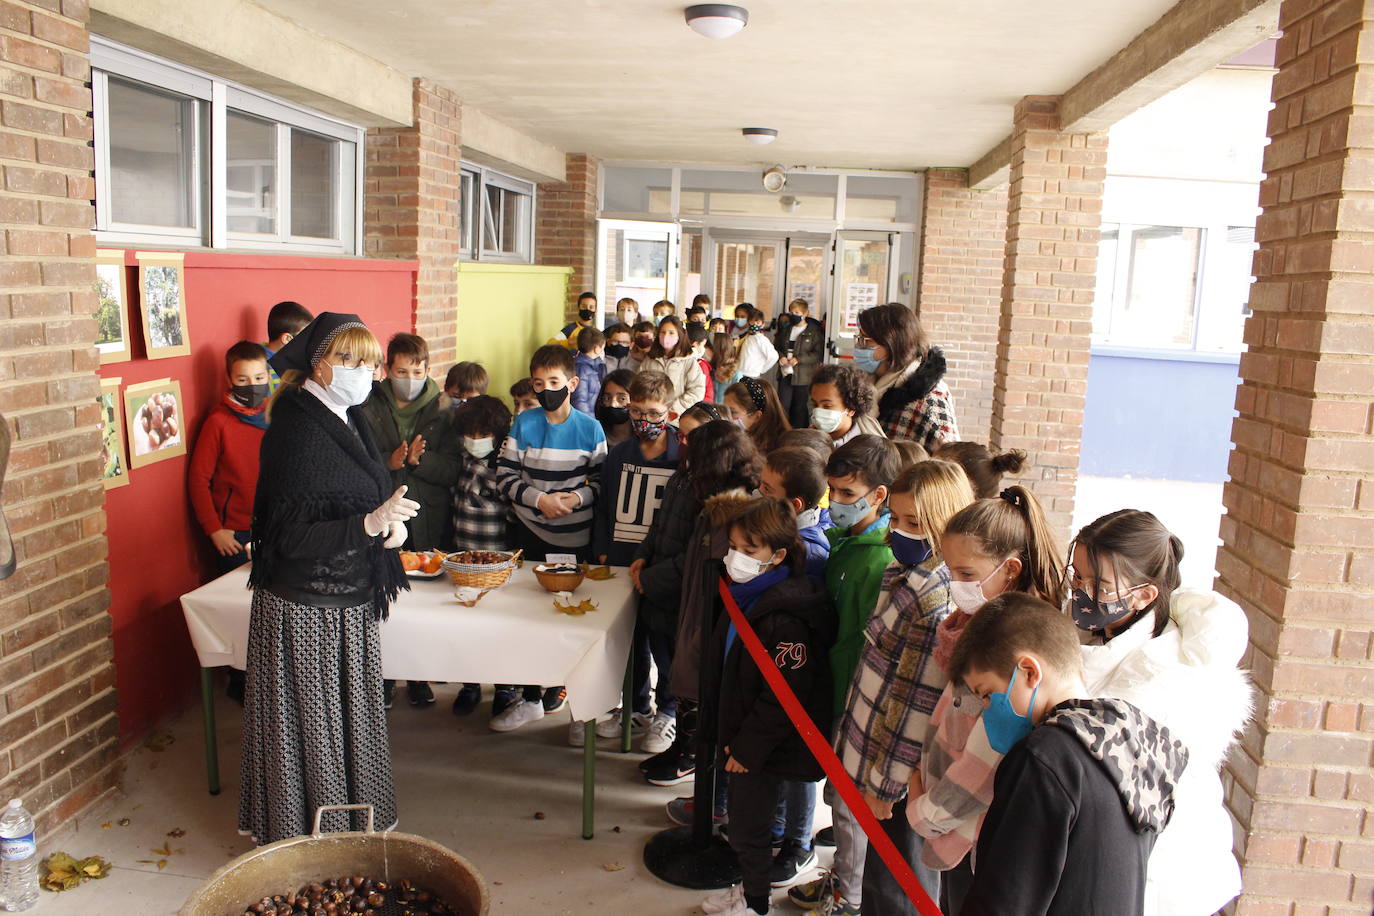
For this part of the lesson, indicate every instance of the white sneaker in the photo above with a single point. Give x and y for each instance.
(610, 727)
(519, 713)
(662, 731)
(730, 900)
(577, 733)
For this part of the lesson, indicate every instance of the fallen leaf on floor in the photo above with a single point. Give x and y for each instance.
(613, 866)
(161, 864)
(62, 872)
(106, 825)
(597, 573)
(166, 850)
(539, 815)
(147, 862)
(123, 822)
(176, 833)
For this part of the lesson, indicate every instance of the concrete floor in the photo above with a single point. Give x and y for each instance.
(458, 783)
(476, 791)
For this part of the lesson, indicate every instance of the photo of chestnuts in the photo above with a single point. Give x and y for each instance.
(352, 895)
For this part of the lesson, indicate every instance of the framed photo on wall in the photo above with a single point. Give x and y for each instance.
(112, 441)
(162, 298)
(153, 410)
(112, 306)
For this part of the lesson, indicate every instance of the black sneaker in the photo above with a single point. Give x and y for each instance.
(790, 863)
(419, 693)
(656, 760)
(502, 699)
(672, 770)
(555, 698)
(825, 837)
(468, 698)
(388, 689)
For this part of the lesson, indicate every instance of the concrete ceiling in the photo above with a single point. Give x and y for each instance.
(848, 83)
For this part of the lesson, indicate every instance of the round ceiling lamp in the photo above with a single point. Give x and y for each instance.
(775, 179)
(716, 20)
(759, 136)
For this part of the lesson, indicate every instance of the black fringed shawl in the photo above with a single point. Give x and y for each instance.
(317, 480)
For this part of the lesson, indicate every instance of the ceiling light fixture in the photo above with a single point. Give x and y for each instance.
(775, 179)
(759, 136)
(716, 20)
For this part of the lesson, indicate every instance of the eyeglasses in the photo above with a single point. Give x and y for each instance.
(1073, 580)
(862, 342)
(654, 416)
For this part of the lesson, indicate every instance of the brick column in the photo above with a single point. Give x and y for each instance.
(565, 226)
(411, 210)
(1298, 552)
(57, 700)
(959, 297)
(1054, 210)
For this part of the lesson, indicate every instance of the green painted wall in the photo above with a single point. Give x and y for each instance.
(506, 311)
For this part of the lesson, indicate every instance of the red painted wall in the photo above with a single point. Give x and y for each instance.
(157, 552)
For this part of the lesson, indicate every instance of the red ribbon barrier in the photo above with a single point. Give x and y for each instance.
(825, 755)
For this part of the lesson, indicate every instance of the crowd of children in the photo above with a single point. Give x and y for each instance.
(1035, 730)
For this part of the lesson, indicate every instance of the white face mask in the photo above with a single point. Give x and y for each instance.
(827, 421)
(407, 389)
(349, 387)
(744, 568)
(479, 448)
(809, 518)
(968, 596)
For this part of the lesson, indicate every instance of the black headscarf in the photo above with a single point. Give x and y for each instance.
(308, 347)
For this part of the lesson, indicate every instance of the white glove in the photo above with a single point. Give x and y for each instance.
(396, 509)
(397, 537)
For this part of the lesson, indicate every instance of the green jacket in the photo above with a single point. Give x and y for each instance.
(431, 481)
(853, 577)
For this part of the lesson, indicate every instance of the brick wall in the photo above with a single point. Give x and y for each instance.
(1298, 552)
(1054, 210)
(565, 228)
(411, 210)
(57, 701)
(959, 296)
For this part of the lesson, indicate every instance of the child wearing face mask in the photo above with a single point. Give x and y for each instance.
(697, 337)
(1087, 785)
(757, 355)
(645, 336)
(1173, 653)
(480, 515)
(671, 354)
(881, 736)
(801, 341)
(618, 340)
(991, 547)
(613, 407)
(754, 407)
(590, 368)
(841, 398)
(760, 746)
(586, 314)
(626, 313)
(223, 475)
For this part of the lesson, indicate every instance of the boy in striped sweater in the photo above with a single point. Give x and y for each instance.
(550, 471)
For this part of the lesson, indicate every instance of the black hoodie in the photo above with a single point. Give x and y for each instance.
(1076, 809)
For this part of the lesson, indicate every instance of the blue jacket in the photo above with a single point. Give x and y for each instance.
(590, 374)
(817, 550)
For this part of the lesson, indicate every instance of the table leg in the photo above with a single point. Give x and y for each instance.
(627, 697)
(589, 781)
(207, 708)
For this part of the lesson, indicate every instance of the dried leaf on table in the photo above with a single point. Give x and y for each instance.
(597, 573)
(576, 610)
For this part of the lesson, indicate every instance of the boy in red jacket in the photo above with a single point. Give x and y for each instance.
(223, 478)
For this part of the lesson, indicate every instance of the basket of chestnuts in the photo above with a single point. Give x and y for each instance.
(485, 569)
(374, 874)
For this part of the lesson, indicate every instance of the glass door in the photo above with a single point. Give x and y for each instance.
(744, 270)
(636, 259)
(808, 263)
(863, 273)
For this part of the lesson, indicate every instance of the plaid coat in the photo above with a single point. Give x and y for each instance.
(481, 515)
(897, 684)
(916, 404)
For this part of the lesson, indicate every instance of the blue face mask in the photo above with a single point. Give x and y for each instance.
(907, 549)
(741, 322)
(863, 359)
(1005, 726)
(847, 515)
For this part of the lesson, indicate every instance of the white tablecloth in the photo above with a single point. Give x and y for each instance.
(512, 636)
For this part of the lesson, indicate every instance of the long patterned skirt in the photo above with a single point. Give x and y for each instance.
(314, 729)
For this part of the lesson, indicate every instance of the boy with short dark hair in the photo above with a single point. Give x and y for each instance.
(1086, 785)
(632, 482)
(522, 396)
(550, 471)
(618, 340)
(284, 321)
(796, 474)
(465, 380)
(590, 368)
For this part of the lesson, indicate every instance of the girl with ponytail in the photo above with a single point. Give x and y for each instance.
(997, 545)
(1173, 653)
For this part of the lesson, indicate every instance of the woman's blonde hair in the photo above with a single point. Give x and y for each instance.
(358, 343)
(940, 490)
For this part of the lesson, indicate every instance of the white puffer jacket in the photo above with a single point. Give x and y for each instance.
(1187, 679)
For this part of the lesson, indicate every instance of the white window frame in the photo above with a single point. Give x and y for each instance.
(217, 97)
(477, 216)
(1123, 276)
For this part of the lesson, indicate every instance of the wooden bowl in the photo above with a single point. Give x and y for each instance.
(559, 581)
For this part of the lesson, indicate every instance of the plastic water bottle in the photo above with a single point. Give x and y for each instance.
(18, 859)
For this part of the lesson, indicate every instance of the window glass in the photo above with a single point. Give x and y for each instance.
(1228, 302)
(466, 200)
(314, 185)
(1147, 287)
(251, 177)
(506, 221)
(1105, 293)
(153, 174)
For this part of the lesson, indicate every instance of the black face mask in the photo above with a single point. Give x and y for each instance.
(612, 416)
(794, 318)
(585, 314)
(619, 351)
(552, 398)
(250, 396)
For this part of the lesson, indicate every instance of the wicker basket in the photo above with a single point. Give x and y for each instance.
(480, 575)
